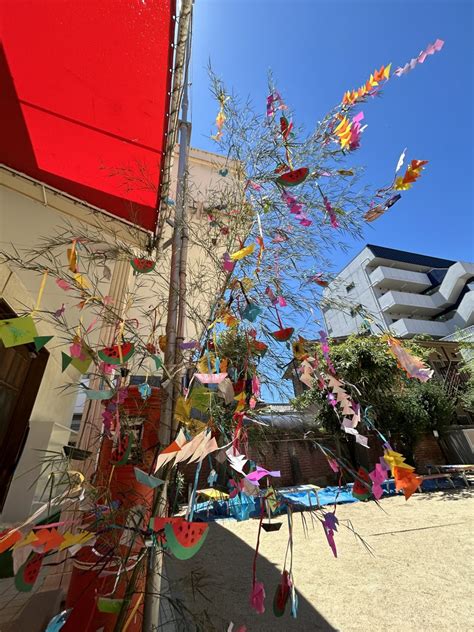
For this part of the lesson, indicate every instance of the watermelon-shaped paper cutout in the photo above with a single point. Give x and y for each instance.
(146, 479)
(65, 361)
(28, 572)
(293, 178)
(41, 341)
(184, 539)
(282, 594)
(282, 335)
(143, 266)
(121, 453)
(359, 490)
(111, 355)
(111, 606)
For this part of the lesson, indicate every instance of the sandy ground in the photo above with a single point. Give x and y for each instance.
(419, 579)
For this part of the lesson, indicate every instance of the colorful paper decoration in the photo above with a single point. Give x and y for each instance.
(147, 479)
(98, 395)
(257, 597)
(377, 476)
(211, 378)
(352, 97)
(431, 49)
(330, 523)
(28, 573)
(41, 341)
(260, 473)
(413, 366)
(117, 354)
(362, 488)
(184, 539)
(282, 594)
(294, 177)
(145, 390)
(142, 266)
(109, 605)
(349, 132)
(17, 331)
(406, 480)
(243, 252)
(376, 211)
(413, 172)
(221, 117)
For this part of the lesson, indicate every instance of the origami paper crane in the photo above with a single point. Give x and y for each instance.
(413, 366)
(431, 49)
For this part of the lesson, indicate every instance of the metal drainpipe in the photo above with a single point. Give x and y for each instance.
(156, 580)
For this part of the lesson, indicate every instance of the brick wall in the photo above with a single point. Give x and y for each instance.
(428, 452)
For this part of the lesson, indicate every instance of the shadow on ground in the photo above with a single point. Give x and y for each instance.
(216, 583)
(462, 493)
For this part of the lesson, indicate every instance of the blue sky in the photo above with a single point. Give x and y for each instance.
(318, 49)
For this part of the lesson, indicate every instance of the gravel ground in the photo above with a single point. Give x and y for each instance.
(418, 579)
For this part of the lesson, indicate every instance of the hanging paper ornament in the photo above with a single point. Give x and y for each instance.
(294, 177)
(413, 366)
(109, 605)
(282, 335)
(184, 539)
(41, 341)
(121, 453)
(27, 574)
(330, 527)
(223, 172)
(243, 252)
(16, 331)
(142, 266)
(360, 490)
(351, 97)
(145, 390)
(413, 172)
(221, 117)
(251, 312)
(431, 49)
(257, 597)
(117, 354)
(282, 595)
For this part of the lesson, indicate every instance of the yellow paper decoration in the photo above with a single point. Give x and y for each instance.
(243, 252)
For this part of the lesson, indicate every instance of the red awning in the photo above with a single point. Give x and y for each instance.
(84, 98)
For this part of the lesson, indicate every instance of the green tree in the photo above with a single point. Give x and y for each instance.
(398, 404)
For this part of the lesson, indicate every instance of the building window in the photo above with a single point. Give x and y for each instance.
(350, 287)
(355, 310)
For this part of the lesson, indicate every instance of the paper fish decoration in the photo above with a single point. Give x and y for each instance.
(413, 366)
(431, 49)
(413, 172)
(351, 97)
(16, 331)
(243, 252)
